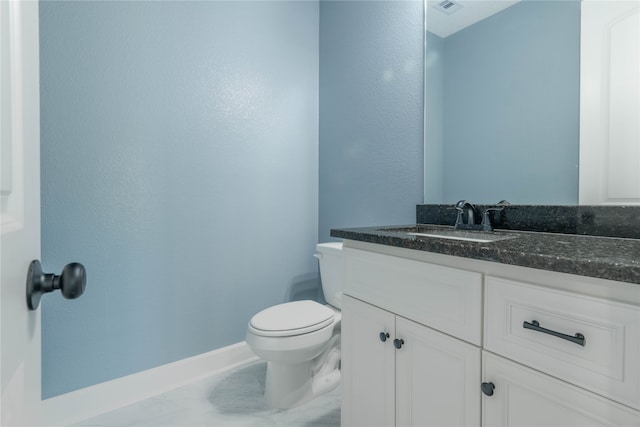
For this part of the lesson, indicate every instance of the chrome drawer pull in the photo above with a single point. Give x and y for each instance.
(578, 338)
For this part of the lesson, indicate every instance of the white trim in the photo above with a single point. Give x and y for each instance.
(91, 401)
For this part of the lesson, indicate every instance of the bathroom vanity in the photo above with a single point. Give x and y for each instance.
(516, 331)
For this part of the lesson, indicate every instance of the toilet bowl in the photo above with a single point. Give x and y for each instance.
(300, 340)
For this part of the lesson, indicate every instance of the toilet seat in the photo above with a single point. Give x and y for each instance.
(290, 319)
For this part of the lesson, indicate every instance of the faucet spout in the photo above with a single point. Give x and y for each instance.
(466, 213)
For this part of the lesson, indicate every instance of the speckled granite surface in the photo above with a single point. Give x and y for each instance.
(611, 221)
(602, 257)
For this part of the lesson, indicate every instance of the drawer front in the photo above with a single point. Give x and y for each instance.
(446, 299)
(607, 363)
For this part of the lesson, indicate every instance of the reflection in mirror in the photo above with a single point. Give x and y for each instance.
(610, 102)
(502, 101)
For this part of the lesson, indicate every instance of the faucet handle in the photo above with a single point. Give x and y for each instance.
(486, 219)
(460, 208)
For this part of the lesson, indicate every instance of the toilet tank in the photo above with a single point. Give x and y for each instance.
(330, 256)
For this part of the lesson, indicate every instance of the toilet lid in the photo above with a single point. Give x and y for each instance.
(291, 318)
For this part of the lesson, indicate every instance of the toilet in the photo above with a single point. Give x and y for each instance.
(300, 340)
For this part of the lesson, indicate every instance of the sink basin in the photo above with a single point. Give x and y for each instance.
(444, 232)
(455, 235)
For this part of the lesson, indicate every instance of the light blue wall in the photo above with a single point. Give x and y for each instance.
(434, 133)
(511, 92)
(180, 166)
(371, 113)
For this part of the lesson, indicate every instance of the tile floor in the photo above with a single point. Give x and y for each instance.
(232, 398)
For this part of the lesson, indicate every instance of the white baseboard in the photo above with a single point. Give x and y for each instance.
(91, 401)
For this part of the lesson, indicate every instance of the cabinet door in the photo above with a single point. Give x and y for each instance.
(437, 378)
(524, 397)
(368, 365)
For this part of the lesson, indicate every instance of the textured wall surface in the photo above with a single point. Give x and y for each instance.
(180, 166)
(371, 113)
(434, 134)
(511, 106)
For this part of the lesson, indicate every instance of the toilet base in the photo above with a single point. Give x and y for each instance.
(290, 385)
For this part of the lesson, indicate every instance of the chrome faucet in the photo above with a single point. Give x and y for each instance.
(466, 214)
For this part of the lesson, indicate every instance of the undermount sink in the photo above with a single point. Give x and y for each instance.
(444, 232)
(458, 235)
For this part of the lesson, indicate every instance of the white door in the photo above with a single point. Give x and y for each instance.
(368, 365)
(20, 226)
(437, 378)
(610, 102)
(525, 397)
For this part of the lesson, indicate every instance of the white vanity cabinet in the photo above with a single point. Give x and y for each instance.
(591, 342)
(581, 357)
(484, 344)
(415, 377)
(367, 364)
(526, 397)
(398, 371)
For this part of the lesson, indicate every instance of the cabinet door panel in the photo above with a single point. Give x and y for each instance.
(368, 365)
(524, 397)
(438, 378)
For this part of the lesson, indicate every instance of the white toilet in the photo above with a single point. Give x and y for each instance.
(300, 340)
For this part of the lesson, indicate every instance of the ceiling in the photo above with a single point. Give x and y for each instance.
(462, 14)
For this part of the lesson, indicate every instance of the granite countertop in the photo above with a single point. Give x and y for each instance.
(602, 257)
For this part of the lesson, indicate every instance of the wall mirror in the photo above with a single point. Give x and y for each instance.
(503, 102)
